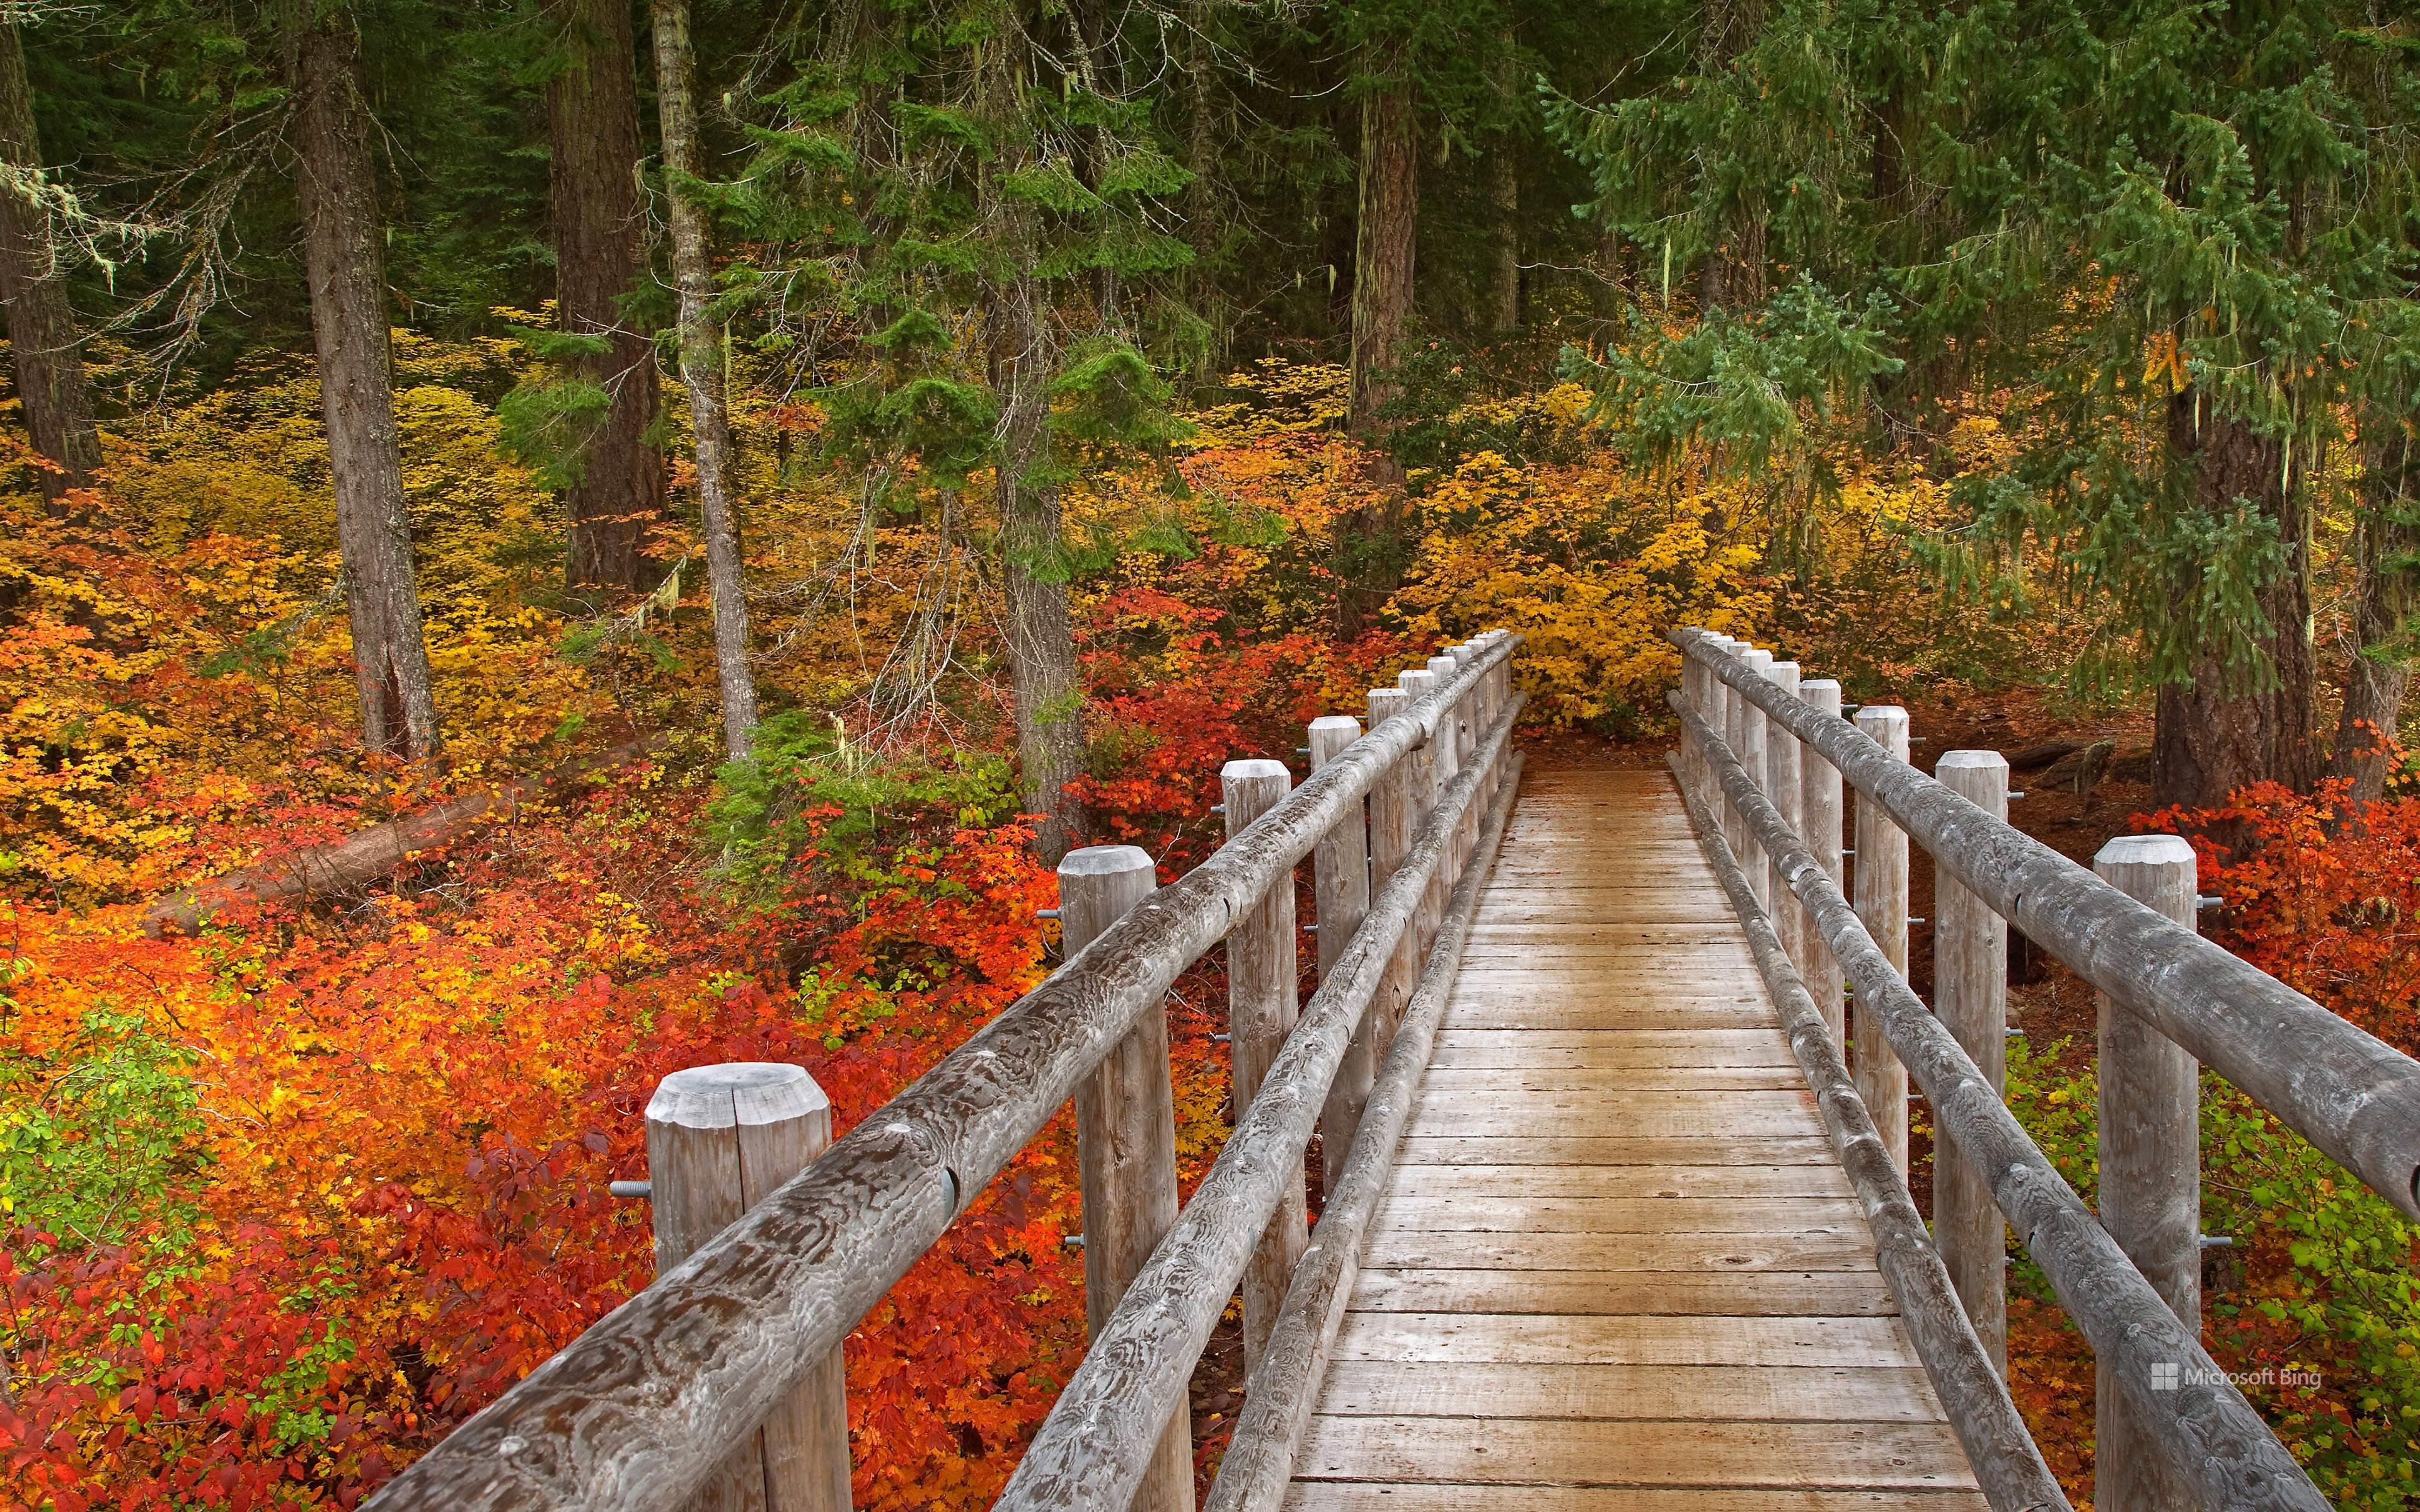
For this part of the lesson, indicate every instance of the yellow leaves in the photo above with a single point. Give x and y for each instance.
(1591, 562)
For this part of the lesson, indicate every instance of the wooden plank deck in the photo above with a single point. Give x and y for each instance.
(1617, 1266)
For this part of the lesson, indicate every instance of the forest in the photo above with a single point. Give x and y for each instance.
(544, 542)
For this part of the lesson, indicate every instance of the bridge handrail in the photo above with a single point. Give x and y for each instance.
(2169, 1398)
(2345, 1090)
(1090, 1452)
(639, 1412)
(2006, 1462)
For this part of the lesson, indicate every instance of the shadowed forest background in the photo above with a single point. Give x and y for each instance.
(746, 486)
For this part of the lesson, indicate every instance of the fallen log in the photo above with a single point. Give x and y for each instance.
(349, 865)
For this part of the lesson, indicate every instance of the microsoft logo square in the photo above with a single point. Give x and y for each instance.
(2165, 1374)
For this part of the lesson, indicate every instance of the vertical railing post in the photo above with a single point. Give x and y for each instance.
(720, 1140)
(1750, 751)
(1733, 724)
(1341, 879)
(2150, 1172)
(1882, 907)
(1262, 1006)
(1781, 784)
(1125, 1140)
(1713, 706)
(1818, 803)
(1453, 742)
(1692, 687)
(1428, 781)
(1395, 819)
(1970, 997)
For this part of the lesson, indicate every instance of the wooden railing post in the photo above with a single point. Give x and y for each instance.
(1819, 804)
(1709, 699)
(2150, 1172)
(1340, 880)
(1395, 819)
(1125, 1139)
(1781, 784)
(1733, 725)
(1750, 749)
(1970, 997)
(720, 1140)
(1454, 744)
(1429, 777)
(1882, 907)
(1262, 976)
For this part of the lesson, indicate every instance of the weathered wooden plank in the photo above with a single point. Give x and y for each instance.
(1857, 1293)
(1640, 1149)
(1532, 1338)
(1614, 1012)
(1612, 1113)
(1639, 1183)
(1461, 1213)
(1381, 1496)
(1822, 1250)
(1481, 1081)
(1896, 1456)
(1699, 1393)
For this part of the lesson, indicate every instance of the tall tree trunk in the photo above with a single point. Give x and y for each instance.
(701, 366)
(1021, 357)
(2222, 731)
(1385, 237)
(41, 327)
(592, 110)
(1504, 256)
(1041, 641)
(2390, 591)
(343, 253)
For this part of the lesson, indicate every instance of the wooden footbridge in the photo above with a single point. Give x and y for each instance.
(1615, 1214)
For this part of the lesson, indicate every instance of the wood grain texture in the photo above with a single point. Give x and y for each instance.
(2204, 1425)
(1279, 1395)
(1970, 997)
(1263, 973)
(1989, 1427)
(2349, 1093)
(1378, 1496)
(1340, 888)
(1639, 1293)
(1090, 1453)
(1616, 1248)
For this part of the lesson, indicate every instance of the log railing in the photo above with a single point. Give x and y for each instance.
(1760, 769)
(717, 1385)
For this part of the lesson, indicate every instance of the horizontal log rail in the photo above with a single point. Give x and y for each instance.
(638, 1412)
(2213, 1439)
(2345, 1090)
(2006, 1462)
(1091, 1451)
(1281, 1395)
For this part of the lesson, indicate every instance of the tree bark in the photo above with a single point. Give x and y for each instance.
(1386, 237)
(41, 326)
(1504, 256)
(1048, 694)
(1732, 276)
(2381, 667)
(601, 252)
(701, 367)
(343, 254)
(2226, 729)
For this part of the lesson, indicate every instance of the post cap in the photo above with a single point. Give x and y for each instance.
(736, 1093)
(2145, 849)
(1881, 716)
(1331, 723)
(1757, 660)
(1971, 761)
(1105, 861)
(1783, 672)
(1250, 767)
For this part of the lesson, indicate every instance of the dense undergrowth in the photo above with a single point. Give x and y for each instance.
(287, 1201)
